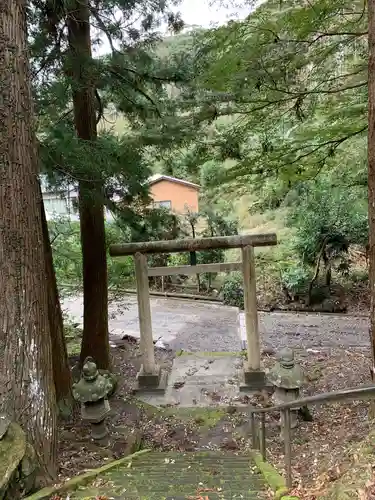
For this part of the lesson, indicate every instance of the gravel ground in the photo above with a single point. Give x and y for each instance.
(203, 326)
(310, 330)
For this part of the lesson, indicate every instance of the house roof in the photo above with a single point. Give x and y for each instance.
(159, 177)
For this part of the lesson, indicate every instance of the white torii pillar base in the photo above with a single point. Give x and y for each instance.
(155, 381)
(150, 377)
(253, 377)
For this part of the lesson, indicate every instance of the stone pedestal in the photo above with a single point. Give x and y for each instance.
(253, 379)
(99, 430)
(155, 381)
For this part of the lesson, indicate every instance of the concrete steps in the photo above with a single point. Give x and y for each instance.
(178, 476)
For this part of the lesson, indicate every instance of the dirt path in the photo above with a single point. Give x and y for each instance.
(202, 326)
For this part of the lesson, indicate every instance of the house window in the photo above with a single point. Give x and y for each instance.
(164, 204)
(56, 205)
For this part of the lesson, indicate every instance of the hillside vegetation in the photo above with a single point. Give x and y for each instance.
(269, 116)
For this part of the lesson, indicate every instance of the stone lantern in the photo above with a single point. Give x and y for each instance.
(287, 377)
(92, 392)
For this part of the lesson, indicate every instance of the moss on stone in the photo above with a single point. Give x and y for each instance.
(204, 417)
(83, 479)
(169, 475)
(12, 451)
(210, 354)
(274, 480)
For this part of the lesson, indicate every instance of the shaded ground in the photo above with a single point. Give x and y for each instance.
(318, 446)
(133, 421)
(157, 476)
(334, 351)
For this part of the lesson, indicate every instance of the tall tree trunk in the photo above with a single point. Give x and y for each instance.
(61, 371)
(95, 341)
(371, 175)
(27, 390)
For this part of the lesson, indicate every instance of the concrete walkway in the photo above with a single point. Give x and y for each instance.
(187, 325)
(201, 326)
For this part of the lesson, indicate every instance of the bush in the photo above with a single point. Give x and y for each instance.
(295, 278)
(359, 276)
(331, 216)
(232, 290)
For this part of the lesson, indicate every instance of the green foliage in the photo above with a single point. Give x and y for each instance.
(295, 277)
(232, 290)
(73, 336)
(274, 105)
(281, 94)
(67, 256)
(328, 216)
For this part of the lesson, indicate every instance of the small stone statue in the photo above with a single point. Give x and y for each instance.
(92, 392)
(287, 377)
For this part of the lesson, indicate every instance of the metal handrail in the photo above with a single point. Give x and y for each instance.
(259, 442)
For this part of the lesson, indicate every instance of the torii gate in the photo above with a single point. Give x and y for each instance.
(150, 376)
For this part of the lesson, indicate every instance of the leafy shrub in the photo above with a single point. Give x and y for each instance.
(336, 217)
(295, 277)
(327, 221)
(232, 290)
(359, 276)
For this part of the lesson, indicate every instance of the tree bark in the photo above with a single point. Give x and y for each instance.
(27, 392)
(61, 370)
(371, 172)
(95, 340)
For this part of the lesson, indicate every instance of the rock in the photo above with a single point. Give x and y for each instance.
(199, 420)
(28, 469)
(122, 447)
(305, 414)
(231, 410)
(130, 339)
(229, 444)
(238, 364)
(67, 436)
(15, 453)
(268, 351)
(178, 384)
(314, 374)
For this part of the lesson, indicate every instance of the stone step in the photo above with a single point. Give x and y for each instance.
(162, 476)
